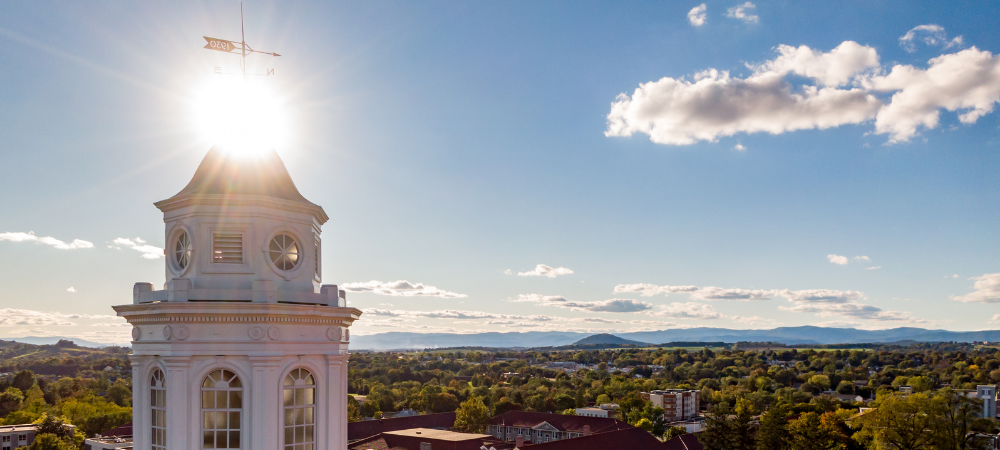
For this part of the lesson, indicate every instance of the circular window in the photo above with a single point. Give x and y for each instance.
(182, 250)
(284, 252)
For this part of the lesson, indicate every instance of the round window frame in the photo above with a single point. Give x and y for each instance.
(294, 271)
(175, 234)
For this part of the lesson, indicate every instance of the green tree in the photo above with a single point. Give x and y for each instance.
(899, 423)
(10, 401)
(24, 380)
(120, 393)
(48, 441)
(673, 432)
(773, 432)
(820, 381)
(729, 428)
(472, 416)
(505, 404)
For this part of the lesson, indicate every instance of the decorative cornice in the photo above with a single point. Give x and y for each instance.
(175, 203)
(242, 319)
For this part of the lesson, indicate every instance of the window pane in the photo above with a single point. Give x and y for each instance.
(289, 435)
(220, 439)
(309, 433)
(234, 420)
(289, 417)
(221, 420)
(234, 439)
(209, 421)
(288, 396)
(235, 399)
(220, 399)
(208, 400)
(310, 396)
(298, 397)
(208, 440)
(289, 380)
(300, 433)
(309, 415)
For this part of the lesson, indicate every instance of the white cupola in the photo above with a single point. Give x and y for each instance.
(244, 347)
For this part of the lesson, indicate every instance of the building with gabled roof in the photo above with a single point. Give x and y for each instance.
(536, 427)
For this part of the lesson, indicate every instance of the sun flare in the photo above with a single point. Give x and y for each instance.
(241, 117)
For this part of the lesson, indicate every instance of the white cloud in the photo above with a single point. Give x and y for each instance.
(995, 319)
(841, 89)
(743, 12)
(139, 245)
(873, 268)
(862, 258)
(714, 104)
(400, 288)
(697, 15)
(508, 272)
(929, 34)
(47, 240)
(838, 324)
(594, 320)
(689, 310)
(854, 310)
(822, 296)
(837, 259)
(616, 305)
(754, 320)
(987, 290)
(542, 270)
(696, 292)
(967, 81)
(739, 147)
(834, 68)
(15, 317)
(71, 289)
(454, 314)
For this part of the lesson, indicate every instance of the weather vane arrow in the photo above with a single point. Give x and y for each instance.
(226, 46)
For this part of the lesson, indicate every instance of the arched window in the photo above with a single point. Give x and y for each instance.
(158, 410)
(221, 410)
(300, 409)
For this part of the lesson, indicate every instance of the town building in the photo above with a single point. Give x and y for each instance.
(677, 404)
(108, 443)
(15, 436)
(425, 439)
(606, 410)
(537, 428)
(244, 347)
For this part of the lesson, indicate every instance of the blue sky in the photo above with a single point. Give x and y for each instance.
(457, 144)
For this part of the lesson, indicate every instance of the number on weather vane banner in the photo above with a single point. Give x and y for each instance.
(238, 48)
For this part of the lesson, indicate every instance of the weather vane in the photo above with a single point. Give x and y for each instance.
(222, 45)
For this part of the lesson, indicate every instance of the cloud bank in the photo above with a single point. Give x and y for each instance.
(47, 240)
(400, 288)
(139, 245)
(542, 270)
(743, 12)
(987, 290)
(615, 305)
(840, 88)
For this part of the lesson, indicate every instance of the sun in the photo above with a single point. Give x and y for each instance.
(244, 118)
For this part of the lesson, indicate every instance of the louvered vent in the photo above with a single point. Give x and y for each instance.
(227, 248)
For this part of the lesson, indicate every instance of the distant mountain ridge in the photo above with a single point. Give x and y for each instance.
(607, 338)
(784, 335)
(50, 340)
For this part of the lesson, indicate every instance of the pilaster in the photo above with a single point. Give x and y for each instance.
(265, 390)
(336, 402)
(179, 408)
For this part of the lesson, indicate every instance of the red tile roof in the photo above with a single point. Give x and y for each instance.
(629, 438)
(559, 421)
(369, 428)
(684, 442)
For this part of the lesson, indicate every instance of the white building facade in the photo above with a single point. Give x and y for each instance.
(677, 404)
(244, 348)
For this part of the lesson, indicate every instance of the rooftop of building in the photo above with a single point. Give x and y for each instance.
(20, 427)
(630, 438)
(367, 428)
(439, 435)
(561, 422)
(229, 175)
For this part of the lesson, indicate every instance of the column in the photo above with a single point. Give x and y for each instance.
(263, 422)
(140, 401)
(336, 403)
(179, 409)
